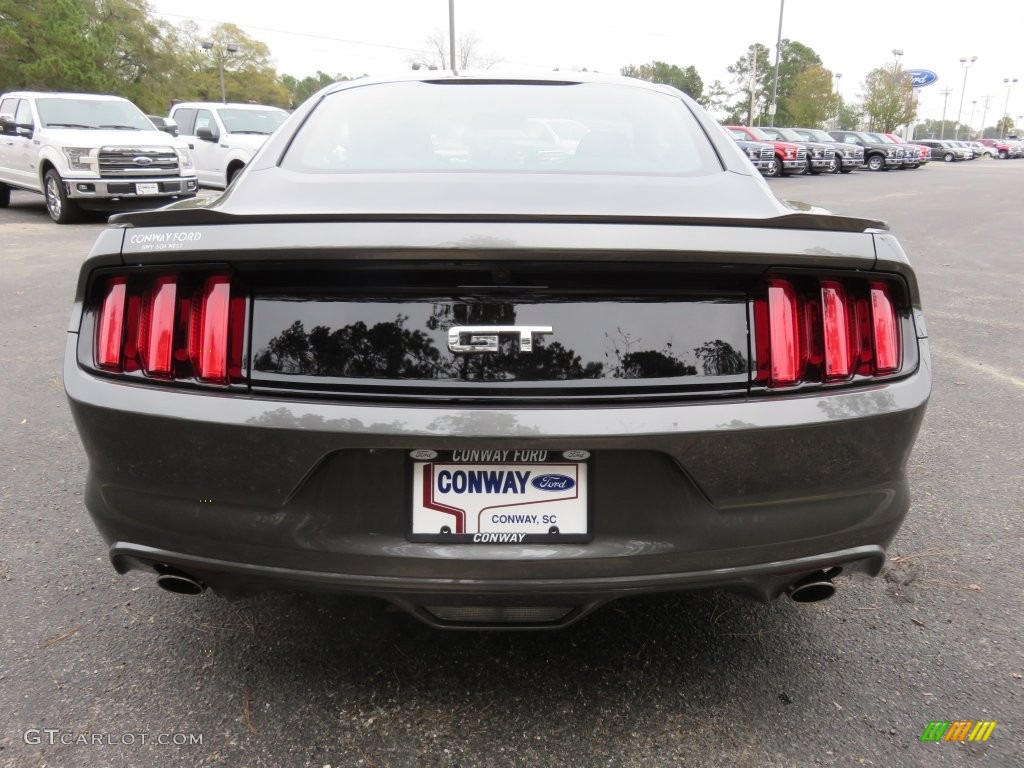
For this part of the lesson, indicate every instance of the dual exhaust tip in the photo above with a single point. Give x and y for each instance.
(178, 582)
(813, 587)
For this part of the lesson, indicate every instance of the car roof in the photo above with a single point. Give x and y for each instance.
(486, 76)
(64, 95)
(213, 104)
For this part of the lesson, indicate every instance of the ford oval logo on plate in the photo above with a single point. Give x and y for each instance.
(552, 482)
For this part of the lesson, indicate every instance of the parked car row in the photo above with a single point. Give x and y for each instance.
(778, 151)
(1004, 149)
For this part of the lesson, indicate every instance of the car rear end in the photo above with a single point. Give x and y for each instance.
(498, 419)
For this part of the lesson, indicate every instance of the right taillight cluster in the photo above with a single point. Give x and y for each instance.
(827, 330)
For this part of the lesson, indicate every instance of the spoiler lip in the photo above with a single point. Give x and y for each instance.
(814, 219)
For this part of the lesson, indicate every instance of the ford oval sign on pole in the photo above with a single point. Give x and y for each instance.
(919, 78)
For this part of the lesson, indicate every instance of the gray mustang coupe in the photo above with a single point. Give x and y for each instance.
(498, 350)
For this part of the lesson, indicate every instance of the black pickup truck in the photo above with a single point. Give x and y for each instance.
(878, 155)
(848, 156)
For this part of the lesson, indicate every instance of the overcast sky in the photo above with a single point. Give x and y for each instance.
(379, 36)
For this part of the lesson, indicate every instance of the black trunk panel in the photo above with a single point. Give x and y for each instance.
(611, 331)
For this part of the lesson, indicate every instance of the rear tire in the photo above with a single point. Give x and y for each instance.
(62, 209)
(5, 196)
(233, 171)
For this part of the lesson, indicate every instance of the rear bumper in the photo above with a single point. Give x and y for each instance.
(424, 596)
(253, 493)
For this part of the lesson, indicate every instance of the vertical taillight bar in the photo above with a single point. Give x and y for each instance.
(784, 333)
(837, 331)
(885, 329)
(209, 325)
(156, 327)
(826, 330)
(110, 333)
(165, 327)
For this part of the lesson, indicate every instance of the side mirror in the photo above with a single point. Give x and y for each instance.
(7, 126)
(24, 130)
(206, 134)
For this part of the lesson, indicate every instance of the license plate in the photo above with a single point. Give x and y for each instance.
(147, 189)
(500, 496)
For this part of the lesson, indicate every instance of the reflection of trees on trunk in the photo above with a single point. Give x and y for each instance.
(384, 350)
(390, 350)
(718, 358)
(649, 364)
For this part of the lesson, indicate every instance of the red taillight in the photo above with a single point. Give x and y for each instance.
(831, 330)
(110, 330)
(837, 331)
(784, 333)
(885, 330)
(156, 327)
(208, 335)
(177, 327)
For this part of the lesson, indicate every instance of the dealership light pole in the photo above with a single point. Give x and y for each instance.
(945, 98)
(451, 35)
(775, 82)
(984, 113)
(1006, 108)
(839, 107)
(220, 52)
(753, 80)
(897, 53)
(966, 64)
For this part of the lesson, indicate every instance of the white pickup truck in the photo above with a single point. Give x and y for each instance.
(224, 137)
(85, 151)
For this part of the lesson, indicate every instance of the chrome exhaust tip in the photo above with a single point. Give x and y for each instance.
(178, 582)
(811, 588)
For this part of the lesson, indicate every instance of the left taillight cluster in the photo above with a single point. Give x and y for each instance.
(173, 327)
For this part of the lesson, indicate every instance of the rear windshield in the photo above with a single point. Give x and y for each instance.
(91, 113)
(473, 126)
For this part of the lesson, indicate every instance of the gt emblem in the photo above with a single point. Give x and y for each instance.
(484, 338)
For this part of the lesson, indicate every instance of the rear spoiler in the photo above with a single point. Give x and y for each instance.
(812, 218)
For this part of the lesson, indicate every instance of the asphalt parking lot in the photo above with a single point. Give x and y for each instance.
(695, 680)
